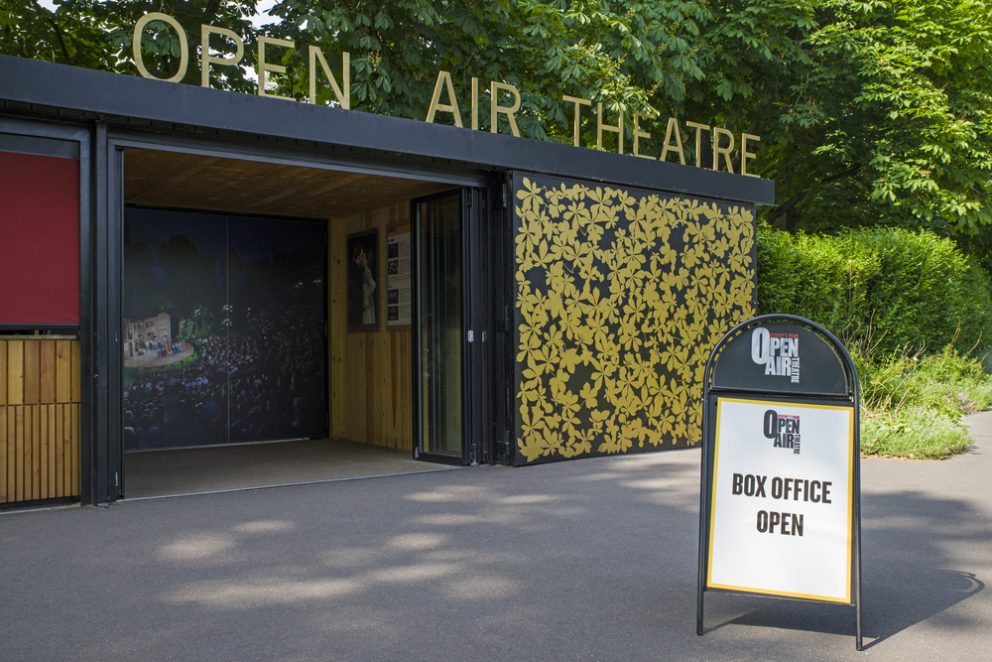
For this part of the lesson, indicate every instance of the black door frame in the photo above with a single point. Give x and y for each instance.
(500, 290)
(487, 333)
(469, 452)
(106, 478)
(85, 142)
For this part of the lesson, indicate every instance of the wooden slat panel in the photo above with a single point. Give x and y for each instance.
(59, 432)
(27, 467)
(52, 455)
(15, 372)
(3, 373)
(3, 454)
(354, 374)
(67, 450)
(39, 441)
(74, 489)
(19, 452)
(8, 452)
(63, 370)
(47, 377)
(75, 386)
(370, 401)
(32, 372)
(24, 469)
(43, 450)
(16, 430)
(36, 452)
(155, 178)
(370, 378)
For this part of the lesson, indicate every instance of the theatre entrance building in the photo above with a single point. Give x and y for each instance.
(200, 283)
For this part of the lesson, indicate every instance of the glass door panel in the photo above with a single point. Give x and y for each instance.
(439, 325)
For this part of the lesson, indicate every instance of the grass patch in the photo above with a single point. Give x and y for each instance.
(948, 383)
(914, 433)
(913, 405)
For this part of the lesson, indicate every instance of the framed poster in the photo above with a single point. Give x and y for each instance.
(363, 281)
(399, 281)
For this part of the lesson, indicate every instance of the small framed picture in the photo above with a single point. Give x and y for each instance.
(363, 281)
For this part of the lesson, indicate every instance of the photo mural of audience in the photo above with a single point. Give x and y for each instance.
(246, 301)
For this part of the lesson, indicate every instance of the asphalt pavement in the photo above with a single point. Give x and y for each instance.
(585, 560)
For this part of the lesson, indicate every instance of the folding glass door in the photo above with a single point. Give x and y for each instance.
(439, 336)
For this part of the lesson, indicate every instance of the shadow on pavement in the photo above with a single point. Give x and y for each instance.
(592, 560)
(906, 550)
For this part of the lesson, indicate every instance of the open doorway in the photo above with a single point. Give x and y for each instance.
(269, 325)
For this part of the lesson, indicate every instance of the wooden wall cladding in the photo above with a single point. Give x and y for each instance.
(371, 391)
(39, 418)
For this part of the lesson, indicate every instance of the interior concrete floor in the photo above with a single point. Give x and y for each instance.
(194, 470)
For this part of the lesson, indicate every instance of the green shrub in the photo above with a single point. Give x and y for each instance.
(895, 297)
(947, 383)
(912, 406)
(884, 291)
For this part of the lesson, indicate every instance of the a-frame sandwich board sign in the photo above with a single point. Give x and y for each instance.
(780, 489)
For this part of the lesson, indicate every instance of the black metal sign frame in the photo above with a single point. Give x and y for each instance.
(831, 383)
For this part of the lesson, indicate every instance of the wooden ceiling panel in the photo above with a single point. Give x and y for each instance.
(189, 181)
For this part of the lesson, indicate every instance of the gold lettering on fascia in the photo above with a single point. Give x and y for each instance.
(216, 51)
(220, 47)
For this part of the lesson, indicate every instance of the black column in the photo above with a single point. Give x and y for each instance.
(105, 337)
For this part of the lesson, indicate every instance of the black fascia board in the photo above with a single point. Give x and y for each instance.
(74, 90)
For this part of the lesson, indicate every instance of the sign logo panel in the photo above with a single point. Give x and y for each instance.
(777, 352)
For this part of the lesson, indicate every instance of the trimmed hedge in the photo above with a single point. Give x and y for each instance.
(884, 291)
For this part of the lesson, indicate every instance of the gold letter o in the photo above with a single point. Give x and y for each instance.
(139, 28)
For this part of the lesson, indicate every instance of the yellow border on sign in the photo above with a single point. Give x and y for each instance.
(850, 501)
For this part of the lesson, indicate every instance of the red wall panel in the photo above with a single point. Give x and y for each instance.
(39, 240)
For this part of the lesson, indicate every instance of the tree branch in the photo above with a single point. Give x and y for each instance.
(58, 34)
(211, 10)
(785, 209)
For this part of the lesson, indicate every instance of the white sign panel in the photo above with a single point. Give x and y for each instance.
(399, 282)
(780, 520)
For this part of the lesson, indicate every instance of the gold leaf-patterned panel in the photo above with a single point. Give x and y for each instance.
(621, 295)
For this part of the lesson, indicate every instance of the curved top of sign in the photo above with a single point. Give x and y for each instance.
(782, 354)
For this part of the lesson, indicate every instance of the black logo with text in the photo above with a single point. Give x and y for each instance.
(777, 351)
(783, 429)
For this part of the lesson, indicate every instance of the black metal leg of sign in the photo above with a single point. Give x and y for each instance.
(856, 552)
(856, 523)
(858, 640)
(700, 578)
(703, 517)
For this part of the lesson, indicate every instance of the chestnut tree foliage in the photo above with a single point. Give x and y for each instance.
(870, 111)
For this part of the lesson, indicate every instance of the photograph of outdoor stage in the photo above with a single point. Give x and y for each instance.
(245, 359)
